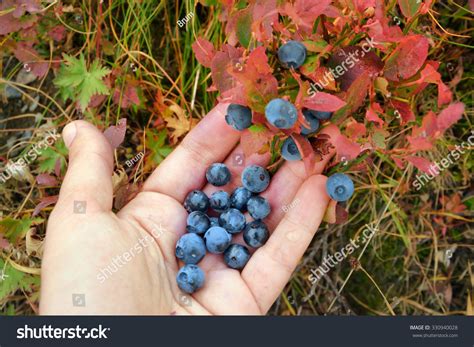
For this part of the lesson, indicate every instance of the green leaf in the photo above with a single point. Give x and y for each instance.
(409, 7)
(50, 155)
(12, 280)
(244, 27)
(78, 83)
(15, 229)
(155, 141)
(257, 128)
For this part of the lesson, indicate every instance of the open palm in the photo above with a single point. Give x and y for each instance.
(99, 262)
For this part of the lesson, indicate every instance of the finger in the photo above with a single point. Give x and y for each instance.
(270, 267)
(184, 169)
(87, 186)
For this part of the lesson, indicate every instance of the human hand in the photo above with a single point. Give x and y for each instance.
(79, 246)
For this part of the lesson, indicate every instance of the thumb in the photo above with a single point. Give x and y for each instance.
(87, 186)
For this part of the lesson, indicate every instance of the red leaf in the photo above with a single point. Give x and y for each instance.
(380, 31)
(33, 61)
(407, 58)
(371, 114)
(307, 153)
(46, 180)
(58, 33)
(44, 202)
(355, 97)
(228, 57)
(449, 116)
(4, 244)
(404, 110)
(321, 101)
(255, 141)
(116, 134)
(421, 164)
(204, 51)
(128, 98)
(348, 63)
(346, 149)
(304, 12)
(419, 143)
(355, 130)
(57, 167)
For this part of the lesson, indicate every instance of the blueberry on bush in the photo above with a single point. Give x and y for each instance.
(190, 249)
(239, 198)
(258, 207)
(321, 115)
(292, 54)
(196, 201)
(236, 256)
(313, 121)
(289, 150)
(281, 114)
(339, 187)
(214, 221)
(238, 117)
(255, 178)
(232, 220)
(256, 234)
(218, 174)
(197, 222)
(190, 278)
(219, 201)
(217, 239)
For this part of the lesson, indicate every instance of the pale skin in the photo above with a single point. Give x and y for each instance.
(79, 245)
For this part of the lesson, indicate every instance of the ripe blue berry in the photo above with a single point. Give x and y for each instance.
(217, 239)
(256, 234)
(232, 220)
(196, 201)
(190, 249)
(238, 117)
(281, 114)
(289, 150)
(218, 174)
(255, 178)
(198, 222)
(236, 256)
(313, 121)
(190, 278)
(292, 54)
(239, 198)
(339, 187)
(322, 115)
(258, 207)
(220, 201)
(214, 221)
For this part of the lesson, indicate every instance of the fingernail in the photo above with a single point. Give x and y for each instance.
(69, 134)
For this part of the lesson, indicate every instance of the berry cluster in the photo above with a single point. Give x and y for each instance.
(208, 233)
(281, 113)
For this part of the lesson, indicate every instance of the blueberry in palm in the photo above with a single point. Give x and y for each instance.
(232, 220)
(190, 278)
(236, 256)
(219, 201)
(190, 249)
(255, 178)
(256, 234)
(258, 207)
(239, 198)
(217, 239)
(196, 201)
(218, 174)
(198, 222)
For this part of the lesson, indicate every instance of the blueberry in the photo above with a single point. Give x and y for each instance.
(198, 222)
(217, 239)
(232, 220)
(190, 249)
(220, 201)
(322, 115)
(281, 113)
(239, 198)
(289, 150)
(218, 174)
(214, 221)
(190, 278)
(313, 121)
(258, 207)
(292, 54)
(256, 234)
(196, 201)
(255, 178)
(238, 117)
(339, 187)
(236, 256)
